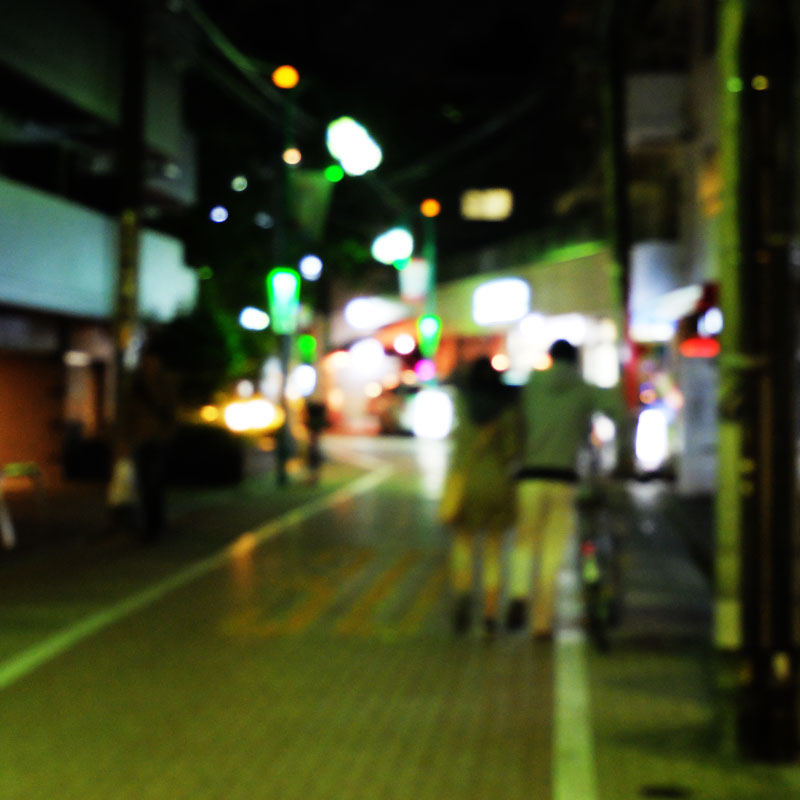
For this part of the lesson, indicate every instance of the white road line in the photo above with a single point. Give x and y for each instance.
(16, 667)
(574, 774)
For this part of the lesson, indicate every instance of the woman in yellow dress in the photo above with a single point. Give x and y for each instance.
(479, 497)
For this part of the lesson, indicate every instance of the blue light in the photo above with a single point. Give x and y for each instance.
(311, 267)
(218, 214)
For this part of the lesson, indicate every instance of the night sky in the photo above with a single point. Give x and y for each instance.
(459, 96)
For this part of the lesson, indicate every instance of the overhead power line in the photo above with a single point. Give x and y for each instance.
(492, 126)
(248, 68)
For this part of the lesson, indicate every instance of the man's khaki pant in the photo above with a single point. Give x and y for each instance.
(546, 520)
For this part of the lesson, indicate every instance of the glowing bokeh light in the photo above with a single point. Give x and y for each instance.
(253, 319)
(430, 207)
(285, 77)
(501, 362)
(311, 267)
(333, 173)
(603, 428)
(487, 204)
(352, 146)
(239, 183)
(735, 84)
(394, 245)
(218, 214)
(283, 293)
(77, 358)
(425, 369)
(368, 355)
(303, 380)
(209, 413)
(501, 301)
(651, 444)
(292, 156)
(711, 323)
(373, 389)
(245, 388)
(404, 344)
(251, 415)
(699, 347)
(263, 220)
(365, 313)
(431, 414)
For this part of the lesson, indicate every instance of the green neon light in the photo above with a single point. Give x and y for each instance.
(283, 295)
(429, 328)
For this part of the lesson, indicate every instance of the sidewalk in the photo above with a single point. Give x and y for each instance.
(657, 719)
(70, 563)
(661, 726)
(74, 514)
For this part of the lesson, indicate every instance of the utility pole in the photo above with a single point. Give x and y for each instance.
(280, 253)
(757, 597)
(131, 172)
(616, 177)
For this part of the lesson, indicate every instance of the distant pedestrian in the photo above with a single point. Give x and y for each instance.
(557, 406)
(151, 418)
(479, 489)
(316, 420)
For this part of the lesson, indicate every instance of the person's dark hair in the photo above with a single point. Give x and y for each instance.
(562, 350)
(482, 374)
(484, 392)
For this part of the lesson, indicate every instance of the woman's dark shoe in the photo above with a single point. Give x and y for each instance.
(515, 616)
(462, 616)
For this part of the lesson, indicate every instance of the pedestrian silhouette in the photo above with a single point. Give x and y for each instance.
(478, 499)
(150, 426)
(557, 407)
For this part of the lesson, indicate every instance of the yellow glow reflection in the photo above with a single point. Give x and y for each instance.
(244, 545)
(252, 415)
(209, 413)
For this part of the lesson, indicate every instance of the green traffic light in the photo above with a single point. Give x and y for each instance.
(283, 295)
(334, 173)
(429, 328)
(307, 347)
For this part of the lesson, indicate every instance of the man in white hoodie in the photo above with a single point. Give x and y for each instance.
(557, 406)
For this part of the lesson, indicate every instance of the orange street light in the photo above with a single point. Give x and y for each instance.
(430, 207)
(286, 77)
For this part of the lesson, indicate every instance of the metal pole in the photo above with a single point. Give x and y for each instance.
(280, 254)
(131, 161)
(756, 607)
(429, 251)
(617, 206)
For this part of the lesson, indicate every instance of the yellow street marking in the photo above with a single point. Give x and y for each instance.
(323, 591)
(424, 601)
(24, 662)
(319, 591)
(357, 620)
